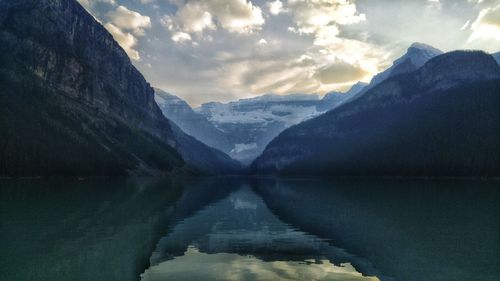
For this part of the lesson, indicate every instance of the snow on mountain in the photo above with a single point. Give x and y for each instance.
(496, 56)
(334, 99)
(262, 110)
(244, 127)
(415, 57)
(356, 88)
(252, 123)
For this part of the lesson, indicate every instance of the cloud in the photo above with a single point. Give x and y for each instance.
(340, 72)
(313, 16)
(196, 16)
(126, 40)
(275, 7)
(125, 26)
(325, 20)
(89, 4)
(487, 25)
(262, 42)
(181, 37)
(322, 19)
(434, 4)
(129, 20)
(192, 18)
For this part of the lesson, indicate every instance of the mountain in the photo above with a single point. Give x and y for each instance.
(250, 124)
(334, 99)
(191, 122)
(442, 119)
(71, 102)
(356, 88)
(415, 57)
(496, 56)
(202, 158)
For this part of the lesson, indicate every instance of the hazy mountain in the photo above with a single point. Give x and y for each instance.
(71, 102)
(251, 124)
(356, 88)
(203, 158)
(334, 99)
(442, 119)
(191, 122)
(497, 57)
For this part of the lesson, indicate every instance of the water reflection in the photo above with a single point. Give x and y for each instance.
(249, 229)
(433, 230)
(81, 230)
(239, 238)
(196, 265)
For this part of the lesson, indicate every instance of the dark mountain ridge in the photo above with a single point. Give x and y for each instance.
(440, 120)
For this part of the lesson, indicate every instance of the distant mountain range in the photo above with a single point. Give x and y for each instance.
(72, 103)
(441, 119)
(250, 124)
(243, 128)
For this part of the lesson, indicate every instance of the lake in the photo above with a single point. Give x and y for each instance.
(233, 228)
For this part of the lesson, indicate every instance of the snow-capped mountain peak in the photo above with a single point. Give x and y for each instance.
(252, 123)
(418, 54)
(424, 47)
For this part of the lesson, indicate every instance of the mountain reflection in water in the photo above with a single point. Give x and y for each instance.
(239, 238)
(194, 265)
(249, 229)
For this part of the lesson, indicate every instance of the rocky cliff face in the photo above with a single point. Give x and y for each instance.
(442, 119)
(71, 101)
(73, 55)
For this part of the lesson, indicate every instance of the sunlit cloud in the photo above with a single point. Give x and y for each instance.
(196, 16)
(340, 72)
(487, 25)
(125, 26)
(275, 7)
(221, 50)
(126, 40)
(262, 42)
(324, 19)
(129, 20)
(181, 37)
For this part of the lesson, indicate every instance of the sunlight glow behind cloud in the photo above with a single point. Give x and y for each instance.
(227, 49)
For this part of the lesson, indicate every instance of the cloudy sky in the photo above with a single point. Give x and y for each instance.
(221, 50)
